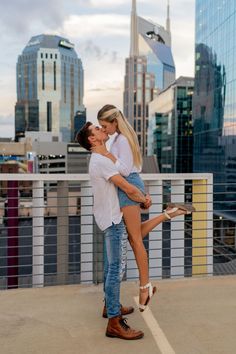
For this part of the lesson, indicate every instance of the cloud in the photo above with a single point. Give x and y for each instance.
(183, 40)
(98, 99)
(105, 89)
(106, 3)
(183, 50)
(5, 120)
(104, 83)
(20, 16)
(7, 126)
(89, 50)
(115, 3)
(107, 76)
(98, 25)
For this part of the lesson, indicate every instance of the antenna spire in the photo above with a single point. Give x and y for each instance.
(134, 50)
(168, 16)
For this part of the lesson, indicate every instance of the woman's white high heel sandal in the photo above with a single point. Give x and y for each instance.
(188, 208)
(151, 292)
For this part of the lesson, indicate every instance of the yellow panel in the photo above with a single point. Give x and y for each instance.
(199, 234)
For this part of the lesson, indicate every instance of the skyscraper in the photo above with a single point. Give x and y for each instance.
(214, 100)
(149, 69)
(172, 140)
(49, 87)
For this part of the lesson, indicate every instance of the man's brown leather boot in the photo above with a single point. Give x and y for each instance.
(118, 328)
(123, 310)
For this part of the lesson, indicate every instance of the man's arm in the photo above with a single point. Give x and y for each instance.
(132, 191)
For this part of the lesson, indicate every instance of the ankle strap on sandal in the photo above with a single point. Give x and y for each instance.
(167, 215)
(148, 285)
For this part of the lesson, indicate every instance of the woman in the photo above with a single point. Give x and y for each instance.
(125, 153)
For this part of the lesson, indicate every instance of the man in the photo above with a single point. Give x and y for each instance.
(104, 179)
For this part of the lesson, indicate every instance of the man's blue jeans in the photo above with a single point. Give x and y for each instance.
(113, 243)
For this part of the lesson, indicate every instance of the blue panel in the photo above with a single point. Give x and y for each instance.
(162, 51)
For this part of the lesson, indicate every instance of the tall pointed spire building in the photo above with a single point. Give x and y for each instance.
(134, 31)
(149, 69)
(168, 17)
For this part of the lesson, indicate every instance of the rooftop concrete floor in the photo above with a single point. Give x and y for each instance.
(186, 316)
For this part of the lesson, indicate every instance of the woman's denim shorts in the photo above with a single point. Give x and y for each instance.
(136, 180)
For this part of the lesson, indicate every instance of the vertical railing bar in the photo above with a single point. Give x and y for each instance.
(86, 233)
(155, 241)
(177, 230)
(38, 234)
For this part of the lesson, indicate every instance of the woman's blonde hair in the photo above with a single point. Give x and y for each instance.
(110, 113)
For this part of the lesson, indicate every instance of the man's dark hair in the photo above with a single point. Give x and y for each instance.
(82, 136)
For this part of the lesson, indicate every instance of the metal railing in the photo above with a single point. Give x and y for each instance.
(48, 235)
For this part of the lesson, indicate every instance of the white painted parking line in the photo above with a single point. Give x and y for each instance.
(159, 336)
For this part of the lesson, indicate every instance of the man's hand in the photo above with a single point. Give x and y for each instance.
(147, 203)
(132, 192)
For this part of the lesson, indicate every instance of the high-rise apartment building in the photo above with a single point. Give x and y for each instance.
(171, 128)
(50, 87)
(149, 69)
(214, 100)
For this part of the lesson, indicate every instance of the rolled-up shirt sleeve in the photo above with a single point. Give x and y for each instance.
(108, 169)
(124, 162)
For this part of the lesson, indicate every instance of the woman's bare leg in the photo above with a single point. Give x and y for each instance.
(150, 224)
(132, 218)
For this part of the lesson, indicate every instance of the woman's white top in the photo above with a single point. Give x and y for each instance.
(121, 149)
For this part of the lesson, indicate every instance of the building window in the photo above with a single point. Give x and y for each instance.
(41, 55)
(139, 125)
(19, 81)
(64, 82)
(55, 75)
(140, 80)
(139, 140)
(55, 56)
(139, 110)
(140, 68)
(26, 80)
(46, 55)
(49, 116)
(139, 95)
(51, 56)
(34, 80)
(80, 88)
(72, 91)
(43, 76)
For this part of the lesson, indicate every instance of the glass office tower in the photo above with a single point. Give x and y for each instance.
(214, 100)
(149, 69)
(155, 45)
(171, 116)
(50, 87)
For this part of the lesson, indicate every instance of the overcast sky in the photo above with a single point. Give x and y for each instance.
(100, 30)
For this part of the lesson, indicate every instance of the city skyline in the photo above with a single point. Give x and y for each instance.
(100, 31)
